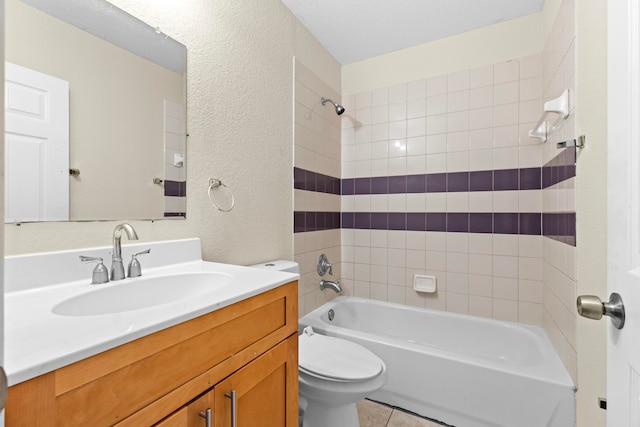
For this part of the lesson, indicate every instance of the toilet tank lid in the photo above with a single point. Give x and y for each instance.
(279, 265)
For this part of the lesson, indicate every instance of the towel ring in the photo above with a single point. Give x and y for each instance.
(214, 184)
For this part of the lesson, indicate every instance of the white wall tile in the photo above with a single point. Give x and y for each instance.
(506, 136)
(506, 93)
(457, 242)
(397, 111)
(507, 114)
(481, 201)
(481, 243)
(506, 71)
(458, 81)
(505, 266)
(457, 303)
(480, 306)
(379, 97)
(479, 77)
(481, 264)
(457, 262)
(505, 310)
(398, 93)
(417, 89)
(480, 160)
(417, 108)
(458, 101)
(480, 285)
(437, 85)
(481, 97)
(481, 118)
(437, 143)
(363, 100)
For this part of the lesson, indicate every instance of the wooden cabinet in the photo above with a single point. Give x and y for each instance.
(190, 415)
(169, 377)
(267, 376)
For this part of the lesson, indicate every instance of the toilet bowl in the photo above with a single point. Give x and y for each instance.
(333, 375)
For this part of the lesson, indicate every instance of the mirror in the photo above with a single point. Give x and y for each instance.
(124, 130)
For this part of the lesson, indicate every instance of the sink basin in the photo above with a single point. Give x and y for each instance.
(137, 294)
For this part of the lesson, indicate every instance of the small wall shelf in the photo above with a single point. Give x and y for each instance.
(559, 106)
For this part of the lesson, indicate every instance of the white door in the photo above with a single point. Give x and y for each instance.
(36, 146)
(623, 222)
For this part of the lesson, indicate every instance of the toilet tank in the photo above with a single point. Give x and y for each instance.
(280, 265)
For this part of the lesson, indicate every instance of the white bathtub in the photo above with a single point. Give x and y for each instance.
(462, 370)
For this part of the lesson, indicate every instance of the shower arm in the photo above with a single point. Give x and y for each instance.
(339, 108)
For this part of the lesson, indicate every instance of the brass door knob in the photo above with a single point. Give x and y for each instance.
(591, 307)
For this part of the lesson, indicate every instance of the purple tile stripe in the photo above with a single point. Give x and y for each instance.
(455, 222)
(315, 221)
(175, 188)
(560, 168)
(560, 226)
(313, 181)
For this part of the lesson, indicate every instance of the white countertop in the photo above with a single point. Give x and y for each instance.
(38, 341)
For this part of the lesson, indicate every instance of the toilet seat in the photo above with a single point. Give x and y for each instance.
(336, 359)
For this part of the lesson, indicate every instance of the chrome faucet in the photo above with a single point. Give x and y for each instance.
(117, 269)
(334, 286)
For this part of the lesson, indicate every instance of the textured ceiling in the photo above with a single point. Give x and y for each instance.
(353, 30)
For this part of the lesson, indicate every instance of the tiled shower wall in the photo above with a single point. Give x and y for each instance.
(440, 178)
(316, 186)
(559, 254)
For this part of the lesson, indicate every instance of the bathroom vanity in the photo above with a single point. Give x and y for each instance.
(234, 357)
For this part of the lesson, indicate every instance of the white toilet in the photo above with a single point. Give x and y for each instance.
(333, 373)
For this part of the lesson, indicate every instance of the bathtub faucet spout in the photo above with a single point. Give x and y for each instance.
(335, 286)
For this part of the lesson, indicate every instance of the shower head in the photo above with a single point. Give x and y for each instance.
(339, 108)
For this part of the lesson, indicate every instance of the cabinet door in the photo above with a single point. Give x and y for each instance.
(264, 393)
(192, 415)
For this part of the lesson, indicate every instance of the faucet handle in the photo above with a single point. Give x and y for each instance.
(135, 269)
(100, 273)
(323, 266)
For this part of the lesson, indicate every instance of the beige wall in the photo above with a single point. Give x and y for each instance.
(116, 113)
(507, 40)
(240, 122)
(591, 197)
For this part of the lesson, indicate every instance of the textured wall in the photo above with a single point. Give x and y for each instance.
(240, 122)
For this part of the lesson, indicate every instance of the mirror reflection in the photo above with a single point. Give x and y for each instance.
(95, 114)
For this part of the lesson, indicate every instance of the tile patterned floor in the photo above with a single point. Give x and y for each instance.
(374, 414)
